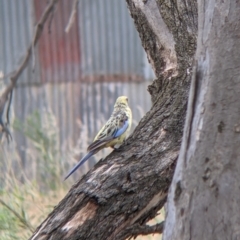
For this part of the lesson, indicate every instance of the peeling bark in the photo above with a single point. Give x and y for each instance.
(204, 201)
(129, 186)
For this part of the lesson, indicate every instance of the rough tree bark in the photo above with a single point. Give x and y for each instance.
(204, 201)
(121, 193)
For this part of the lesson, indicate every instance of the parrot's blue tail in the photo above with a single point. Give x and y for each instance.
(82, 161)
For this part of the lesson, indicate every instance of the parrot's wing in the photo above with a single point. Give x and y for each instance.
(119, 131)
(114, 128)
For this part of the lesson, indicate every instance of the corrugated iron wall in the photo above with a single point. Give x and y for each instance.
(76, 75)
(59, 52)
(109, 42)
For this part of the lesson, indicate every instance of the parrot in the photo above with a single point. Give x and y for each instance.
(113, 133)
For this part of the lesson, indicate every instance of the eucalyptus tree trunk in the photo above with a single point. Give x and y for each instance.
(204, 201)
(121, 193)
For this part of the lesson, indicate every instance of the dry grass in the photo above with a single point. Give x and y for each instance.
(26, 209)
(28, 195)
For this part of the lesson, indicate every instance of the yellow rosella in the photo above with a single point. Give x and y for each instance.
(112, 133)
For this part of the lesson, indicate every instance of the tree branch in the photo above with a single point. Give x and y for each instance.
(136, 230)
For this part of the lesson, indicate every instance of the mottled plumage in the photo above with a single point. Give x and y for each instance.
(112, 133)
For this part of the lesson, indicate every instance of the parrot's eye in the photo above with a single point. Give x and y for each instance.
(127, 99)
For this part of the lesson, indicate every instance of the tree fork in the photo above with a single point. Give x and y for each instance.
(129, 186)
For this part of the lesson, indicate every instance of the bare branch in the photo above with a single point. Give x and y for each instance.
(136, 230)
(72, 16)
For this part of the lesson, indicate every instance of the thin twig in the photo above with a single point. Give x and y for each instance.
(136, 230)
(22, 220)
(72, 16)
